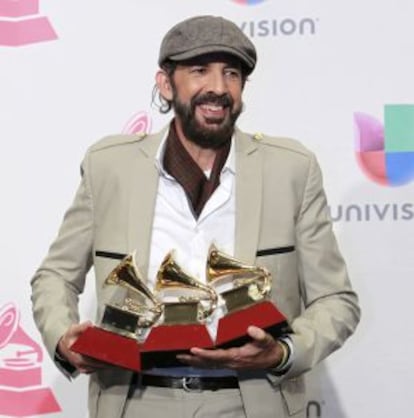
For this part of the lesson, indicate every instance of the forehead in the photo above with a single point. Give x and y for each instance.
(217, 57)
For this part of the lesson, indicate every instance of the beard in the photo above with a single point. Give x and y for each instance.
(214, 133)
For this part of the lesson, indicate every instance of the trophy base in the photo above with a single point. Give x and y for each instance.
(27, 402)
(164, 342)
(232, 328)
(109, 347)
(26, 31)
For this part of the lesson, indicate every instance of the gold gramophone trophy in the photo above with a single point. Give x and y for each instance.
(246, 296)
(187, 304)
(125, 324)
(138, 311)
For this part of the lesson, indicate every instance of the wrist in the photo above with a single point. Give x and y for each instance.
(285, 350)
(59, 353)
(285, 360)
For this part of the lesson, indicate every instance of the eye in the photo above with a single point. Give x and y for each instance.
(232, 73)
(198, 70)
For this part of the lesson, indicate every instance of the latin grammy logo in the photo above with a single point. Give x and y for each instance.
(21, 24)
(139, 123)
(21, 391)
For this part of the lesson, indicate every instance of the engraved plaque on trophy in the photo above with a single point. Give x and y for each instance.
(246, 296)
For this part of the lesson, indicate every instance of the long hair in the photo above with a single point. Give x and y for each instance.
(157, 99)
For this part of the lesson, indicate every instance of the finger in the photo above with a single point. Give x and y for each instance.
(187, 359)
(79, 328)
(217, 355)
(260, 336)
(184, 357)
(86, 370)
(193, 361)
(74, 332)
(96, 364)
(218, 358)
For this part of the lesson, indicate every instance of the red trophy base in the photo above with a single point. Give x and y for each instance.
(232, 328)
(160, 348)
(109, 347)
(164, 342)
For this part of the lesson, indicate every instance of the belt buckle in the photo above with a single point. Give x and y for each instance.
(187, 383)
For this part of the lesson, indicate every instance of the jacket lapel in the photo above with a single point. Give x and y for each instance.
(144, 184)
(249, 183)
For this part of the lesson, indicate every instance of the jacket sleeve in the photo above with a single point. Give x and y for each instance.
(60, 279)
(331, 311)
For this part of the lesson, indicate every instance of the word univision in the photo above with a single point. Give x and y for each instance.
(288, 26)
(368, 212)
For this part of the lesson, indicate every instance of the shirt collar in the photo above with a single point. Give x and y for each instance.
(229, 165)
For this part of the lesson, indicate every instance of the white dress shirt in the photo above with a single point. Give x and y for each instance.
(175, 229)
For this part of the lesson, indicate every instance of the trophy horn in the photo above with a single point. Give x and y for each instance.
(220, 265)
(171, 276)
(127, 275)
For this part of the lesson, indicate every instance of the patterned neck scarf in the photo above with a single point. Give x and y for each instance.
(179, 164)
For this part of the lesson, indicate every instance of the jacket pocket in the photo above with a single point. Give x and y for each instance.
(276, 250)
(109, 254)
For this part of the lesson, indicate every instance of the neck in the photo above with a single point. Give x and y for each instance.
(204, 157)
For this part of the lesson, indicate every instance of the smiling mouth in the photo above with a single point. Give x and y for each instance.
(213, 112)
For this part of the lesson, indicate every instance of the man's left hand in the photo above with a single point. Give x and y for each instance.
(262, 352)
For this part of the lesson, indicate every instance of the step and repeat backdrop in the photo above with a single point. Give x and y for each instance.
(336, 75)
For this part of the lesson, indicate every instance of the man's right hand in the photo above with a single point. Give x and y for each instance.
(83, 364)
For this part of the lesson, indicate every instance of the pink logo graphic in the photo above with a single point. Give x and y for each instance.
(139, 123)
(21, 24)
(21, 390)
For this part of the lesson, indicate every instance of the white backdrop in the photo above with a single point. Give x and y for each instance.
(65, 85)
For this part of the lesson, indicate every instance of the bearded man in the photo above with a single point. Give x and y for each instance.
(202, 181)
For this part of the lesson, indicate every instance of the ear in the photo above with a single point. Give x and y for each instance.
(164, 85)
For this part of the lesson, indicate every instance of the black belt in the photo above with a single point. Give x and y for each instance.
(191, 384)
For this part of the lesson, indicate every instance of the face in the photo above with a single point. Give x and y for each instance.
(207, 99)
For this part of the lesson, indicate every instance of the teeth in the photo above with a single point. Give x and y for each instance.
(213, 108)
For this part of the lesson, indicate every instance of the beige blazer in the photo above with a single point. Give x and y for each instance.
(280, 207)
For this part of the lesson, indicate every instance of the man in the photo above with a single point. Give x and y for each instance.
(199, 181)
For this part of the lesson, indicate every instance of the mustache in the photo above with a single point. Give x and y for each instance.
(211, 98)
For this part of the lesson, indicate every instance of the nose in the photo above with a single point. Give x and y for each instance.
(217, 83)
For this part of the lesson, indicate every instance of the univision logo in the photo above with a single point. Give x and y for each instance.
(385, 152)
(248, 2)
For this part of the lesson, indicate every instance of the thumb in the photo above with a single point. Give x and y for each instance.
(79, 328)
(84, 325)
(259, 336)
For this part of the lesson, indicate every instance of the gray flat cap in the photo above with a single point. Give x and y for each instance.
(207, 34)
